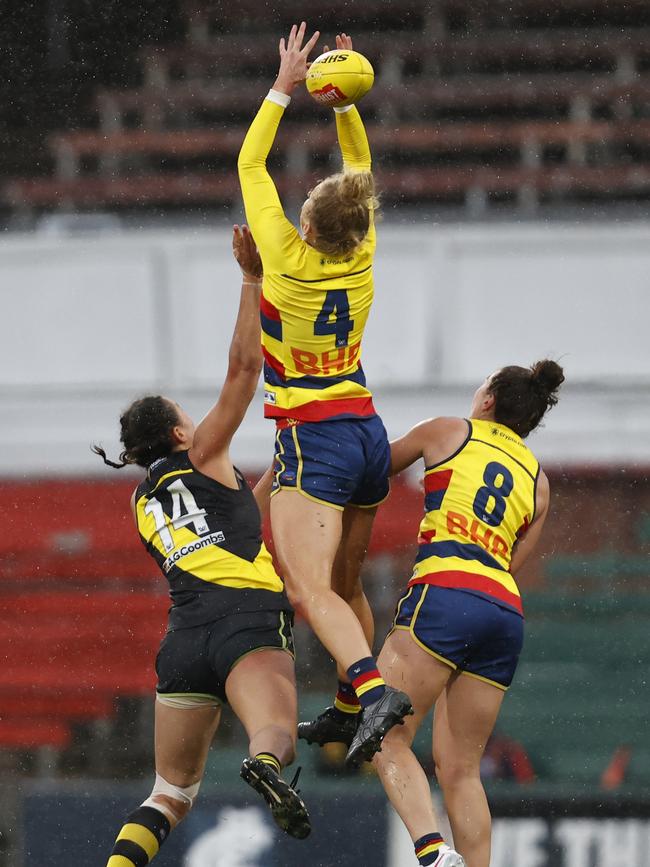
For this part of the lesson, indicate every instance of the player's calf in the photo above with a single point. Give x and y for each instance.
(147, 828)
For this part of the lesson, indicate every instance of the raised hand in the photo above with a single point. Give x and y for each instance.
(343, 42)
(245, 252)
(293, 59)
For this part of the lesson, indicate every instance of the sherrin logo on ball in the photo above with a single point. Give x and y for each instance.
(339, 77)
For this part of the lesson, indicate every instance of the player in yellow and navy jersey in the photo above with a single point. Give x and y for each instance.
(458, 629)
(229, 636)
(332, 454)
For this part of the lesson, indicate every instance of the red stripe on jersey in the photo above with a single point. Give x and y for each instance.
(273, 362)
(269, 309)
(457, 580)
(437, 481)
(320, 410)
(523, 528)
(426, 536)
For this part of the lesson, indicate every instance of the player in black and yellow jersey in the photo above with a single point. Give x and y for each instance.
(332, 454)
(458, 629)
(229, 636)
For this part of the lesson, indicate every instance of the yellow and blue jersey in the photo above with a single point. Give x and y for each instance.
(207, 540)
(314, 307)
(477, 504)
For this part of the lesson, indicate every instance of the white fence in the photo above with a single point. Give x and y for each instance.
(91, 322)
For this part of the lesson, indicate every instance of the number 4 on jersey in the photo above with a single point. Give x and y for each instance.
(335, 305)
(192, 515)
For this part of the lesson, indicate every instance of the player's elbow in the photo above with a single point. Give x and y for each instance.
(246, 368)
(247, 161)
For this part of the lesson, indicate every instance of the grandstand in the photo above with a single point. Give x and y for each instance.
(526, 111)
(520, 105)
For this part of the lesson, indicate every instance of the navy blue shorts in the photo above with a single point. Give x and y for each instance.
(335, 462)
(468, 632)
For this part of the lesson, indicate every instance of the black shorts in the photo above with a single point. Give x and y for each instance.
(196, 661)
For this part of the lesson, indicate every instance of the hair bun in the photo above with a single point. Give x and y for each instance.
(548, 376)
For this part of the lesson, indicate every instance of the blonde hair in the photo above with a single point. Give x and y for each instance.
(339, 211)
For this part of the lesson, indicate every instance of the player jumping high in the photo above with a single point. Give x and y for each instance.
(332, 455)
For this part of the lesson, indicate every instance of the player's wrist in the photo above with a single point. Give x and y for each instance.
(284, 85)
(248, 279)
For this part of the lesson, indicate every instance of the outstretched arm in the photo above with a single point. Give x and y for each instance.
(434, 440)
(351, 132)
(273, 232)
(213, 435)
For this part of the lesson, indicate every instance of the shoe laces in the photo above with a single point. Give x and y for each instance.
(295, 780)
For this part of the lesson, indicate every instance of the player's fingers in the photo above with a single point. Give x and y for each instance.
(300, 35)
(283, 49)
(308, 47)
(326, 48)
(292, 37)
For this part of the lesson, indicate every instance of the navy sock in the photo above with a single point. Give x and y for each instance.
(427, 848)
(367, 682)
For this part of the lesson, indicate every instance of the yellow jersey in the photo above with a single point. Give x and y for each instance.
(313, 307)
(207, 540)
(478, 503)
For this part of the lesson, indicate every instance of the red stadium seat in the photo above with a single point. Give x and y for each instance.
(86, 534)
(30, 734)
(64, 705)
(104, 642)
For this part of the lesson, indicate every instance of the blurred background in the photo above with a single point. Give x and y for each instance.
(511, 142)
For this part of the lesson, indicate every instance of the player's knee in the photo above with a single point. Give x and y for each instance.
(302, 596)
(174, 801)
(398, 738)
(452, 771)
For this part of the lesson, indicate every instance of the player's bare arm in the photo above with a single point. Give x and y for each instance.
(528, 542)
(434, 440)
(213, 434)
(262, 492)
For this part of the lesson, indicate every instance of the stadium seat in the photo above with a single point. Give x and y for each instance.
(528, 139)
(192, 105)
(55, 704)
(31, 734)
(470, 106)
(87, 535)
(102, 641)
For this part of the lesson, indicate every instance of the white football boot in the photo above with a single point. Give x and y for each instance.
(449, 858)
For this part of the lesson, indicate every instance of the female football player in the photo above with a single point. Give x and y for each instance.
(229, 636)
(458, 629)
(332, 454)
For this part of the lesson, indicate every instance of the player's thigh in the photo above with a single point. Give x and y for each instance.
(306, 535)
(406, 666)
(261, 689)
(464, 719)
(355, 538)
(182, 739)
